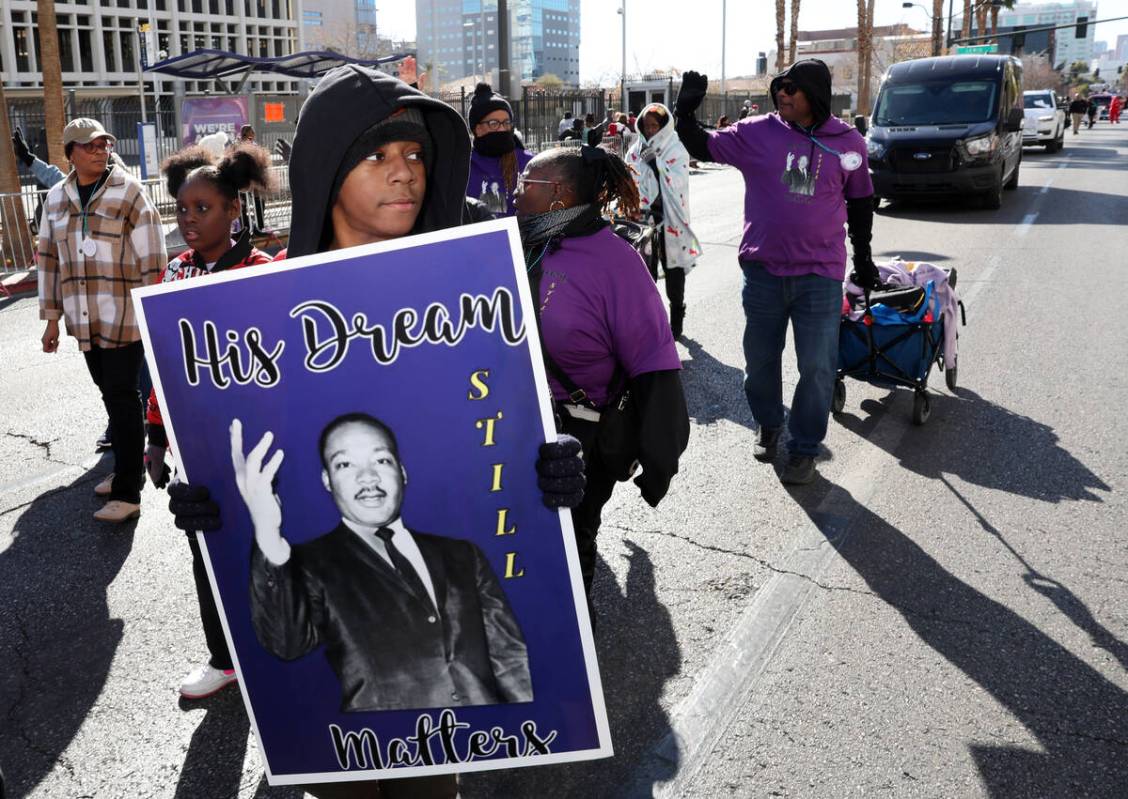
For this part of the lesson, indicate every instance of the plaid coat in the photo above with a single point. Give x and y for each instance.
(92, 292)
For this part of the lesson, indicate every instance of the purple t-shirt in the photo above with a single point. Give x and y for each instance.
(599, 305)
(795, 191)
(487, 186)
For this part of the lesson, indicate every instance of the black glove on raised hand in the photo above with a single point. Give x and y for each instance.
(693, 88)
(865, 274)
(192, 507)
(283, 148)
(560, 472)
(23, 152)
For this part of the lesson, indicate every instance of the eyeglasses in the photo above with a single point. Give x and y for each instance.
(97, 146)
(788, 88)
(522, 180)
(497, 124)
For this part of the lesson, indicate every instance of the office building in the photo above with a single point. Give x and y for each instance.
(99, 45)
(1067, 47)
(458, 39)
(345, 26)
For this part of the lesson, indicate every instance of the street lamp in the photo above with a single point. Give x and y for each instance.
(623, 74)
(937, 25)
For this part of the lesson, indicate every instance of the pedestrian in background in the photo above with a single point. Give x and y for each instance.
(1092, 111)
(1077, 110)
(497, 159)
(565, 124)
(574, 133)
(805, 175)
(101, 237)
(660, 165)
(1114, 109)
(722, 121)
(593, 133)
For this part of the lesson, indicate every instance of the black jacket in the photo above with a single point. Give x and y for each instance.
(349, 100)
(388, 648)
(1079, 106)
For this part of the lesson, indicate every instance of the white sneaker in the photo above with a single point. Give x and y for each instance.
(106, 487)
(117, 511)
(205, 681)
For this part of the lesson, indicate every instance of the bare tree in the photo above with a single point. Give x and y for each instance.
(781, 20)
(1039, 73)
(52, 84)
(794, 30)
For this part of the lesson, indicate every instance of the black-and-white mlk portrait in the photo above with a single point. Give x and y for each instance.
(408, 619)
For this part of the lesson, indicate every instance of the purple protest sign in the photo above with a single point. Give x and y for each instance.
(397, 598)
(203, 116)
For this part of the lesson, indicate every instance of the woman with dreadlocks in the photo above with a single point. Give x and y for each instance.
(498, 158)
(602, 324)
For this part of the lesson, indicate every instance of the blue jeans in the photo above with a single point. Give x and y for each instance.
(813, 304)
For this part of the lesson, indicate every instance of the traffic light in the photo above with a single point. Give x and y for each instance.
(1082, 27)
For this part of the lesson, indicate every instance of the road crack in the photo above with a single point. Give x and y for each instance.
(43, 445)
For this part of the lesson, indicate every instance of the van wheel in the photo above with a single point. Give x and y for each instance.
(1012, 184)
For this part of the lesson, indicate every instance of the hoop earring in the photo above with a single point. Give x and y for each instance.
(554, 203)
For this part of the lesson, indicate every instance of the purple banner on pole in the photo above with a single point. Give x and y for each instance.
(203, 116)
(397, 598)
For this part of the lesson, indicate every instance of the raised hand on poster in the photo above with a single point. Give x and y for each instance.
(256, 485)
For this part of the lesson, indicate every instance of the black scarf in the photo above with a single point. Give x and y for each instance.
(541, 233)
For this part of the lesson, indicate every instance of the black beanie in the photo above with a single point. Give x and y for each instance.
(813, 77)
(486, 101)
(406, 124)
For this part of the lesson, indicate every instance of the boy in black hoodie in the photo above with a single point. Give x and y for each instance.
(805, 173)
(375, 159)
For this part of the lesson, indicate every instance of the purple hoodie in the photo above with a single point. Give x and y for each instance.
(795, 191)
(487, 186)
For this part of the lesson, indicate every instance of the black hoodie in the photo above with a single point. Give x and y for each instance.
(349, 100)
(813, 77)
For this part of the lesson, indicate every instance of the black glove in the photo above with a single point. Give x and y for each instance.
(865, 274)
(23, 152)
(693, 88)
(283, 148)
(192, 507)
(560, 472)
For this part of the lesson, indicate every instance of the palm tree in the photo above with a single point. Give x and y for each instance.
(937, 27)
(52, 83)
(15, 237)
(965, 28)
(1007, 4)
(781, 20)
(794, 30)
(865, 53)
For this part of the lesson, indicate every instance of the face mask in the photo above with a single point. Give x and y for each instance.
(495, 145)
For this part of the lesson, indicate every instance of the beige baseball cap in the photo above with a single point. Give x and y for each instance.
(84, 130)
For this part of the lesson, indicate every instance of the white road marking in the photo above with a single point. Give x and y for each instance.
(730, 678)
(1024, 226)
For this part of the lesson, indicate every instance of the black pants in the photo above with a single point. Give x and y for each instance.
(116, 371)
(220, 656)
(675, 278)
(588, 515)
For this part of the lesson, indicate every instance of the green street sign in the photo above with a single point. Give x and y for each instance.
(972, 49)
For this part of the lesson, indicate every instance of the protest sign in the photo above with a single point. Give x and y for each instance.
(451, 638)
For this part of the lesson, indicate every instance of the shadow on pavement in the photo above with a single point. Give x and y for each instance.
(57, 639)
(1060, 207)
(713, 390)
(983, 443)
(1075, 713)
(638, 653)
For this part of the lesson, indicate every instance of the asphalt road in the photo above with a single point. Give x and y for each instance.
(942, 614)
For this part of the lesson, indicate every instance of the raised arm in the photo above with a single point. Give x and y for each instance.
(693, 135)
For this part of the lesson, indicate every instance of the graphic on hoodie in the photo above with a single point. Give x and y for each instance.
(798, 175)
(492, 198)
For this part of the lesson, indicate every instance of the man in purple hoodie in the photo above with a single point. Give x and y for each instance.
(805, 175)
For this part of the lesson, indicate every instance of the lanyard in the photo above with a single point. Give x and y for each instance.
(850, 160)
(86, 205)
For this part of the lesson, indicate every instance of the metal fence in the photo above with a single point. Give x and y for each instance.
(267, 214)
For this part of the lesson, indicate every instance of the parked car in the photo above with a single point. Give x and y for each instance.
(1045, 122)
(947, 126)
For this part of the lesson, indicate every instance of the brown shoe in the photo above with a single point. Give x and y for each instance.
(117, 512)
(106, 487)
